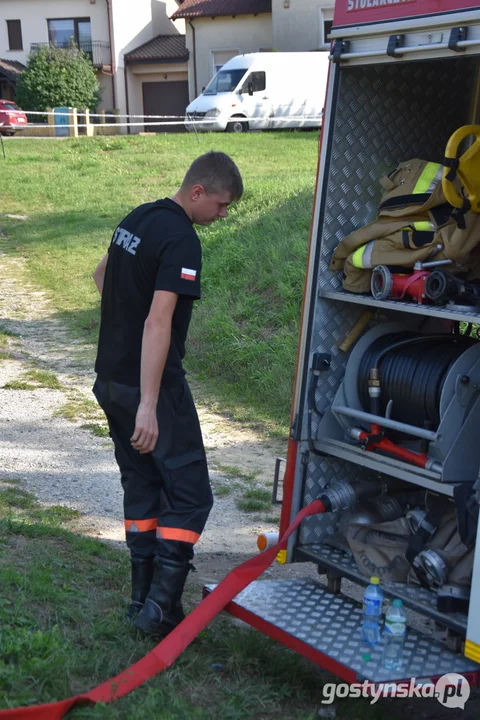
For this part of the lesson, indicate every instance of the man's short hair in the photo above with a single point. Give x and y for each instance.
(217, 172)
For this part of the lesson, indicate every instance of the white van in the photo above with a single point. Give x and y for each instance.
(261, 91)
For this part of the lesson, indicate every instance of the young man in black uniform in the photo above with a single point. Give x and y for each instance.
(148, 281)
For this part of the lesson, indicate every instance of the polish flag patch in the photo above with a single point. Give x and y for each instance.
(188, 274)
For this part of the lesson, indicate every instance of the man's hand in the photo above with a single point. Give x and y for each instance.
(145, 435)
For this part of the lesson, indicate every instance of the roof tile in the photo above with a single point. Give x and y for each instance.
(11, 69)
(161, 47)
(216, 8)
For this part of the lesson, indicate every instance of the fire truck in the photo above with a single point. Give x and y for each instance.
(385, 424)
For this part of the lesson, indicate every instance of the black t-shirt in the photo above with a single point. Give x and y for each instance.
(154, 248)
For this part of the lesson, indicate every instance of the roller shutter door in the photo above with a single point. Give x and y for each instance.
(165, 98)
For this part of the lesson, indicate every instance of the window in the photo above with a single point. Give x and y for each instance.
(257, 81)
(220, 57)
(14, 28)
(327, 27)
(63, 33)
(224, 81)
(326, 22)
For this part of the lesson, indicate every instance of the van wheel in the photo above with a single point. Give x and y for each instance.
(236, 125)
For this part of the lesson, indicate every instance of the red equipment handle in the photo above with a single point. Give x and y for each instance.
(389, 447)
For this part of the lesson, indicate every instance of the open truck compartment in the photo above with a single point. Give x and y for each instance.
(381, 114)
(398, 89)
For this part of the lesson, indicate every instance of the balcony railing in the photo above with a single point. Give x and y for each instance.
(97, 50)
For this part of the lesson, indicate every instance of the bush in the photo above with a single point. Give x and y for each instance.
(58, 77)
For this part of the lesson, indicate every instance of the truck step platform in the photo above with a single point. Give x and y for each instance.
(326, 628)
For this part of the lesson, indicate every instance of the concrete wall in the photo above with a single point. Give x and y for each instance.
(130, 29)
(162, 10)
(244, 34)
(33, 16)
(138, 74)
(299, 26)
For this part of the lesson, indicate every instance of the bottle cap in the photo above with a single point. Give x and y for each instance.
(375, 580)
(366, 657)
(397, 603)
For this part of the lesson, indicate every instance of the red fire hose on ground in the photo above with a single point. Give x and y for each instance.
(168, 650)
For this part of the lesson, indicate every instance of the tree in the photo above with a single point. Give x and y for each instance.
(58, 77)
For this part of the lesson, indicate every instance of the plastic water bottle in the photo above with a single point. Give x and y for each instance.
(394, 636)
(372, 612)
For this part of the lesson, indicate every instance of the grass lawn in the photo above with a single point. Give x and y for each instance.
(243, 338)
(62, 632)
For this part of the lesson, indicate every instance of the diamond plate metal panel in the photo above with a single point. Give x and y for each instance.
(333, 321)
(420, 599)
(331, 624)
(385, 114)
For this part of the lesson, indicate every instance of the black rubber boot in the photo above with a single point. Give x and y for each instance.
(163, 610)
(142, 573)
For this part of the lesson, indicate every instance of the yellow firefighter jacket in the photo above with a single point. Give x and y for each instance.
(421, 230)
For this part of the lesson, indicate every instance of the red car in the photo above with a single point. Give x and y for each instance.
(11, 118)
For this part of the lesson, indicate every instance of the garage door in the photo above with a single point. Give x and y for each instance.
(165, 98)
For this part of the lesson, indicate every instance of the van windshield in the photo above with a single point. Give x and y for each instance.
(224, 81)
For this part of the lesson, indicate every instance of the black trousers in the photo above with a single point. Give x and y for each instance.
(167, 494)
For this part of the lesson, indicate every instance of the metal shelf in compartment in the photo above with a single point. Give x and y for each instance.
(408, 307)
(385, 464)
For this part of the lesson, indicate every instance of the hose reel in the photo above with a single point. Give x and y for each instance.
(412, 374)
(415, 397)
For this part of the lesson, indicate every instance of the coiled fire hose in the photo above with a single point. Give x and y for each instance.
(167, 651)
(413, 375)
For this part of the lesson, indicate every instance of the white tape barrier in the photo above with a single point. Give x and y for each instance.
(102, 126)
(81, 113)
(189, 121)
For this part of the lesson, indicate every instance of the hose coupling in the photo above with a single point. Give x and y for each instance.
(339, 497)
